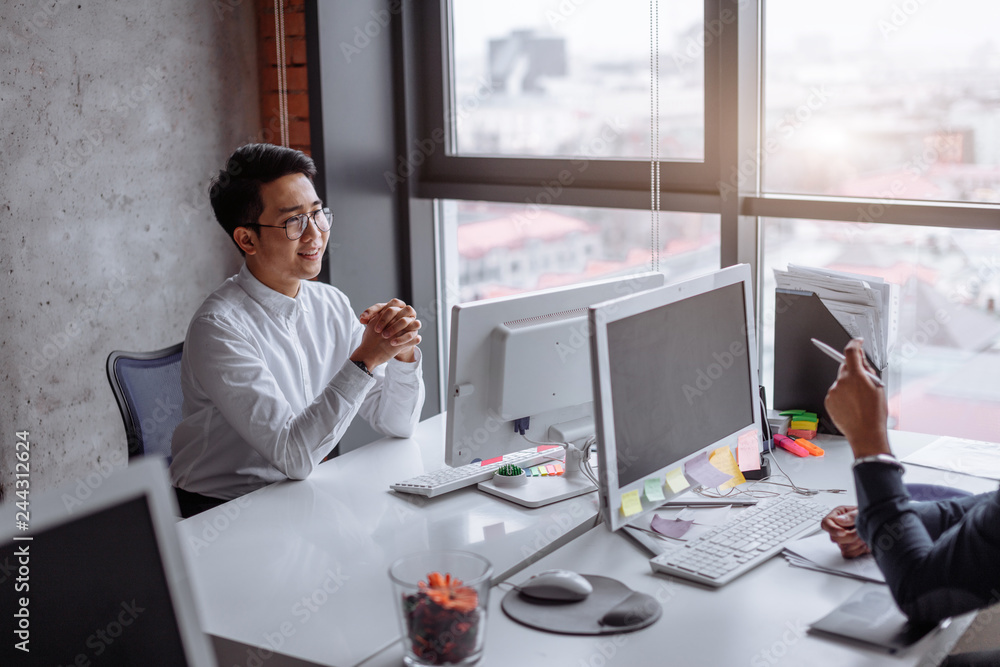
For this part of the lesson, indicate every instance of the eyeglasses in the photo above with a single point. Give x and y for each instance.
(296, 225)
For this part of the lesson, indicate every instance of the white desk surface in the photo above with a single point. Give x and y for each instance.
(759, 619)
(311, 557)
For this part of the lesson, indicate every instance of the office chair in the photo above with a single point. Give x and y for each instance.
(147, 386)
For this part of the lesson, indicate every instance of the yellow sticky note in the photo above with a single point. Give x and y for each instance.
(722, 458)
(676, 481)
(653, 489)
(631, 503)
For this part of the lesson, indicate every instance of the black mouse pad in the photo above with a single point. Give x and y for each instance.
(583, 617)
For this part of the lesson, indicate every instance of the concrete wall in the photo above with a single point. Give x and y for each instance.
(113, 115)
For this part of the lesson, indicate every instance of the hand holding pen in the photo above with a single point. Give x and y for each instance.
(840, 525)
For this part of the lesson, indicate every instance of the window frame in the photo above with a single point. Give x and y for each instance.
(734, 103)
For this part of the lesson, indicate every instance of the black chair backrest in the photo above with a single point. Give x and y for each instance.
(147, 386)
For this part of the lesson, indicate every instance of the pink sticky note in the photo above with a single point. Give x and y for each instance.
(670, 527)
(489, 461)
(542, 448)
(701, 471)
(747, 451)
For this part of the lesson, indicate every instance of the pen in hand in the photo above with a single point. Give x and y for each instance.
(837, 356)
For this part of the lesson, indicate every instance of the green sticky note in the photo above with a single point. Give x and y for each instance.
(676, 481)
(806, 417)
(631, 503)
(793, 412)
(654, 490)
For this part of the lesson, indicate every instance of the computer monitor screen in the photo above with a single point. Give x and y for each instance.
(524, 359)
(99, 578)
(675, 375)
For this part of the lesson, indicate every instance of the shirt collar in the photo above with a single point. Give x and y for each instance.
(271, 300)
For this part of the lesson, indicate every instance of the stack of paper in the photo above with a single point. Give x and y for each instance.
(969, 457)
(867, 307)
(817, 552)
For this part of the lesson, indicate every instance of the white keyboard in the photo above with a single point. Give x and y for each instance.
(445, 480)
(751, 537)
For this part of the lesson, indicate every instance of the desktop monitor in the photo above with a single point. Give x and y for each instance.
(99, 578)
(519, 371)
(675, 376)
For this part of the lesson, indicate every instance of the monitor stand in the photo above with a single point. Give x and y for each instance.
(541, 491)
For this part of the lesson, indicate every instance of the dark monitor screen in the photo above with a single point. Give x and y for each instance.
(680, 379)
(98, 593)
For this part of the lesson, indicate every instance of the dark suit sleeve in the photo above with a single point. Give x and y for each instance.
(939, 559)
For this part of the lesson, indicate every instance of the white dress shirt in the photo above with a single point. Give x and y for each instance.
(269, 388)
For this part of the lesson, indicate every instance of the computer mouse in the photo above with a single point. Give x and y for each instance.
(561, 585)
(636, 609)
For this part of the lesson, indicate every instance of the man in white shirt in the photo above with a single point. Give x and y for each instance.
(275, 366)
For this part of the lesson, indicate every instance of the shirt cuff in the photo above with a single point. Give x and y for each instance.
(352, 382)
(402, 368)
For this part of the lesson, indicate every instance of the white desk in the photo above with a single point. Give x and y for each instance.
(759, 619)
(301, 567)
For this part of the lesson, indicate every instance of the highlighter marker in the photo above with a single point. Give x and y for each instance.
(815, 450)
(790, 445)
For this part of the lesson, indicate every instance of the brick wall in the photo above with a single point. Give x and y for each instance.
(296, 79)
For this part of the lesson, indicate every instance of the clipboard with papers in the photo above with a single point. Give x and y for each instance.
(834, 307)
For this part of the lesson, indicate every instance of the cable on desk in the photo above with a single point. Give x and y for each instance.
(796, 488)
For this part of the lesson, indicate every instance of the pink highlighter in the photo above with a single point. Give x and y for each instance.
(787, 443)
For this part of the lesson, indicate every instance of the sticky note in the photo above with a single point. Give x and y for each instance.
(654, 490)
(703, 472)
(747, 451)
(489, 461)
(631, 503)
(671, 527)
(551, 469)
(559, 468)
(542, 448)
(676, 481)
(793, 412)
(722, 458)
(797, 425)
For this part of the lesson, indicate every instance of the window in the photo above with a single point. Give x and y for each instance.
(552, 78)
(496, 243)
(883, 99)
(945, 364)
(867, 129)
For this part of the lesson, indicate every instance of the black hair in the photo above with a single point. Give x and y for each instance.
(235, 192)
